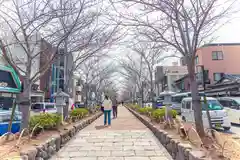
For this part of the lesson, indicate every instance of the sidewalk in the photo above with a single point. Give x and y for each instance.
(126, 139)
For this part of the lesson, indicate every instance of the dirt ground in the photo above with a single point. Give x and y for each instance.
(9, 150)
(210, 146)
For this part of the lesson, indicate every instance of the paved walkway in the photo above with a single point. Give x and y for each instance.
(126, 139)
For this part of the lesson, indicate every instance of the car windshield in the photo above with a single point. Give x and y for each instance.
(212, 105)
(178, 99)
(49, 106)
(6, 103)
(237, 101)
(37, 106)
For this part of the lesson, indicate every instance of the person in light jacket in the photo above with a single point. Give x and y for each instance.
(107, 104)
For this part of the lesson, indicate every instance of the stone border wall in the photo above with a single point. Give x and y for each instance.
(178, 150)
(53, 145)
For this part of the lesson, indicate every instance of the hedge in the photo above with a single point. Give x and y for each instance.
(45, 121)
(79, 113)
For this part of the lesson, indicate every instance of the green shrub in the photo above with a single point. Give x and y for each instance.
(98, 107)
(159, 114)
(145, 110)
(149, 109)
(174, 113)
(136, 107)
(142, 110)
(45, 120)
(79, 113)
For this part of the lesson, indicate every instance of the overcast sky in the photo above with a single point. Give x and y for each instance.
(228, 33)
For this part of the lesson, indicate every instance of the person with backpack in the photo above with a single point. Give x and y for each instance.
(107, 106)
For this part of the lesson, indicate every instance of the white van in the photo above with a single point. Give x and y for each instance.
(219, 116)
(178, 97)
(43, 107)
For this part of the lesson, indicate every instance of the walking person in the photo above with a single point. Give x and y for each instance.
(122, 103)
(114, 107)
(107, 104)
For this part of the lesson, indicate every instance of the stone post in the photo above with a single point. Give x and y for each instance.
(167, 102)
(60, 100)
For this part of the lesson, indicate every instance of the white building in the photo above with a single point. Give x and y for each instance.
(17, 52)
(19, 56)
(166, 75)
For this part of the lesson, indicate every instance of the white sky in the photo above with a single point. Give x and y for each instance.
(228, 33)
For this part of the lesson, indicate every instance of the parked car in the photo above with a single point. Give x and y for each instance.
(219, 116)
(148, 104)
(232, 105)
(5, 116)
(79, 105)
(43, 107)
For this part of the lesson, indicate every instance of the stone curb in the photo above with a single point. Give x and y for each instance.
(178, 150)
(48, 148)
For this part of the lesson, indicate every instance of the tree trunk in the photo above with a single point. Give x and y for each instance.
(66, 77)
(86, 97)
(24, 102)
(196, 102)
(152, 92)
(66, 90)
(11, 119)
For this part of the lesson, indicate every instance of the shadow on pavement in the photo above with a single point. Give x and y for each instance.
(100, 127)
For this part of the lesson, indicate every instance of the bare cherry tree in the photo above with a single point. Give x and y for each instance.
(135, 72)
(95, 71)
(183, 26)
(152, 54)
(31, 28)
(92, 36)
(133, 69)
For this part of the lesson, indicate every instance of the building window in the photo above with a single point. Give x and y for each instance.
(196, 60)
(217, 55)
(206, 74)
(217, 76)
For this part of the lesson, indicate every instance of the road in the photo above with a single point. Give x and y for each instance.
(235, 130)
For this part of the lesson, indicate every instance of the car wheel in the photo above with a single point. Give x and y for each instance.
(184, 119)
(226, 128)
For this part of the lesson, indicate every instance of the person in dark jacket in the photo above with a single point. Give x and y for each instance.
(114, 107)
